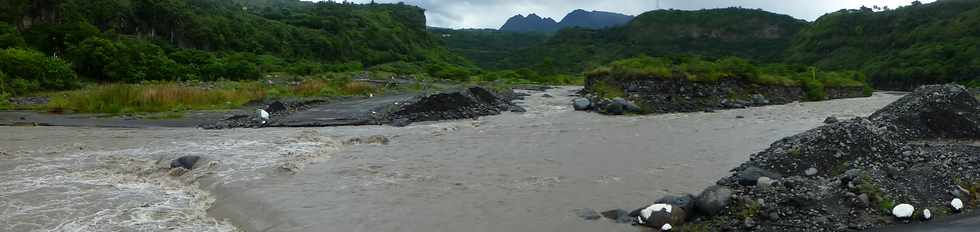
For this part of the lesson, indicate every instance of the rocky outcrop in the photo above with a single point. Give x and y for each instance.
(850, 175)
(671, 95)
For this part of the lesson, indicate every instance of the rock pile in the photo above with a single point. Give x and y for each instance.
(471, 102)
(856, 174)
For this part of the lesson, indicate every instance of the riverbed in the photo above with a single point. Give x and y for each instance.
(511, 172)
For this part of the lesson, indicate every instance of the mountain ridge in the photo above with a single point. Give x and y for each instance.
(577, 18)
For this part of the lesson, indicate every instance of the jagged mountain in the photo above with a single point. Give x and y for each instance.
(577, 18)
(593, 19)
(531, 23)
(714, 33)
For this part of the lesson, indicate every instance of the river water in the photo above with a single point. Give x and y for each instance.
(511, 172)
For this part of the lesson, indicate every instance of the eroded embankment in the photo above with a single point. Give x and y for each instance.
(671, 95)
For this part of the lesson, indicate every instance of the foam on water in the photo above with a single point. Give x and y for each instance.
(75, 188)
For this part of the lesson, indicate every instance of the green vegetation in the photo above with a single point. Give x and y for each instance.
(175, 97)
(896, 49)
(749, 210)
(132, 41)
(712, 33)
(488, 47)
(878, 199)
(697, 69)
(27, 71)
(900, 48)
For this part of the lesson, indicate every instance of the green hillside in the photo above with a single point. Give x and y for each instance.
(487, 47)
(900, 48)
(137, 40)
(753, 34)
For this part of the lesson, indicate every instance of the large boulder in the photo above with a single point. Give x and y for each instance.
(685, 201)
(581, 104)
(749, 176)
(933, 111)
(713, 199)
(186, 162)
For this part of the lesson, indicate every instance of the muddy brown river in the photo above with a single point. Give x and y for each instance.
(511, 172)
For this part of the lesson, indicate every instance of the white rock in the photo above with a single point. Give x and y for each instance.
(262, 115)
(903, 211)
(957, 204)
(810, 171)
(647, 212)
(666, 227)
(926, 214)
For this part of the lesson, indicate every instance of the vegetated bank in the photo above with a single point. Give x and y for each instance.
(919, 152)
(690, 84)
(98, 51)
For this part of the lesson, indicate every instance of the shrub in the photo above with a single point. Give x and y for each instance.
(29, 71)
(399, 67)
(9, 37)
(237, 66)
(814, 90)
(122, 61)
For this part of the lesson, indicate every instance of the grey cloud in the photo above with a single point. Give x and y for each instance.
(493, 13)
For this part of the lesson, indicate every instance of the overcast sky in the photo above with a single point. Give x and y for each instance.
(493, 13)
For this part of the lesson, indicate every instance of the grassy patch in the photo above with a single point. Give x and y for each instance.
(839, 169)
(178, 97)
(875, 195)
(702, 226)
(606, 90)
(794, 152)
(749, 210)
(127, 98)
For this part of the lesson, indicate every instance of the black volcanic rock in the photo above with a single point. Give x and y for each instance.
(531, 23)
(594, 19)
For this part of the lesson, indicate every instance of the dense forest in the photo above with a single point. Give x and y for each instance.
(897, 48)
(52, 44)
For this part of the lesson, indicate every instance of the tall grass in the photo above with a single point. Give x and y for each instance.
(127, 98)
(176, 97)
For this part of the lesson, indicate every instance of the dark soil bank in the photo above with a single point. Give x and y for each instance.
(658, 95)
(396, 110)
(921, 150)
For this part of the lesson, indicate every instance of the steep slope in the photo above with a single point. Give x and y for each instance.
(531, 23)
(138, 40)
(331, 32)
(486, 47)
(901, 48)
(593, 19)
(747, 33)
